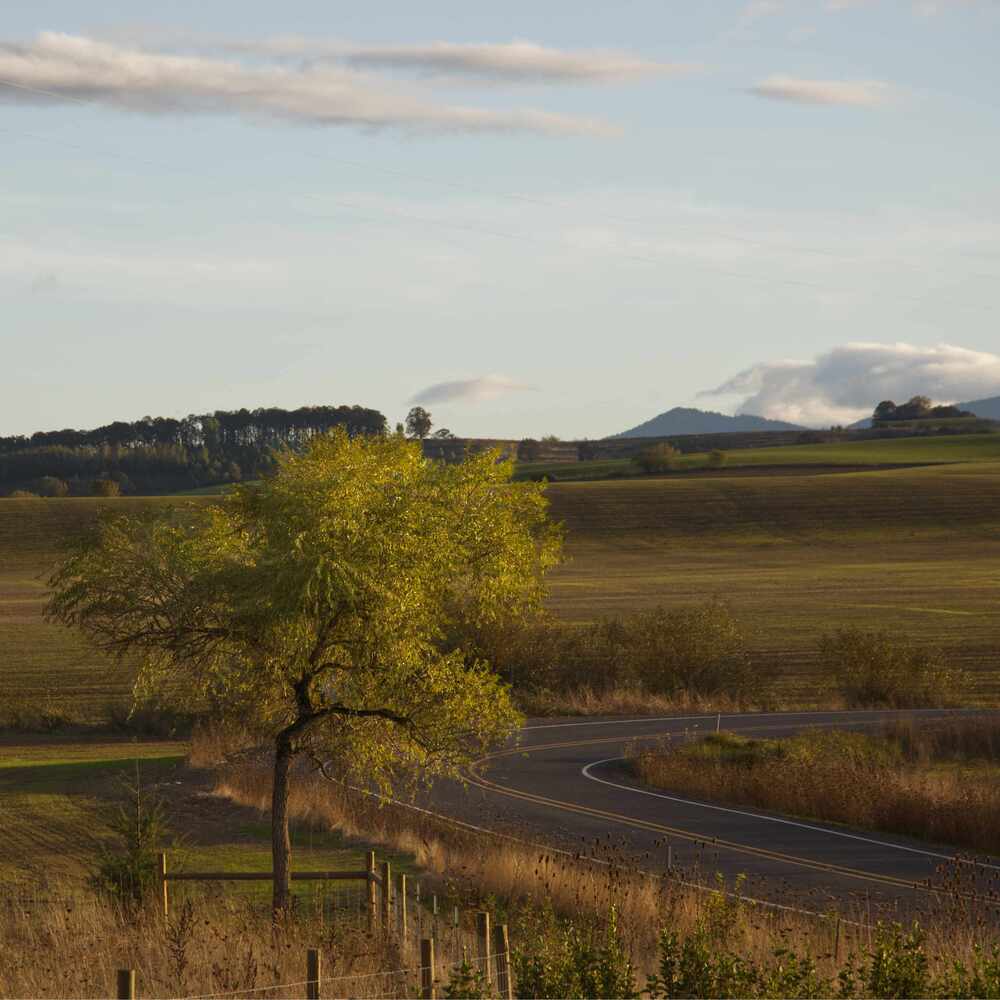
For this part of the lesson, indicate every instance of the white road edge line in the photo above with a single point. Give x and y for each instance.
(585, 771)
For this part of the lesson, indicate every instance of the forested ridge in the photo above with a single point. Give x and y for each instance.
(160, 454)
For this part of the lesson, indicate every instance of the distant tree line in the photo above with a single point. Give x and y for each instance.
(917, 408)
(158, 454)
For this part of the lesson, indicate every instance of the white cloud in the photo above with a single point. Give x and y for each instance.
(71, 68)
(510, 62)
(931, 8)
(856, 93)
(756, 9)
(472, 390)
(844, 384)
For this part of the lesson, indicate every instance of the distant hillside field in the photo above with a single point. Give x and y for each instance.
(876, 452)
(910, 549)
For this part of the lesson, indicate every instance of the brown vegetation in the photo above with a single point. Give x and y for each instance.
(658, 658)
(935, 780)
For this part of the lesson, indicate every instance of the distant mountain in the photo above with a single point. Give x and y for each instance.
(687, 420)
(986, 409)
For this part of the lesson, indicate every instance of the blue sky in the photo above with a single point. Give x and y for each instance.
(572, 215)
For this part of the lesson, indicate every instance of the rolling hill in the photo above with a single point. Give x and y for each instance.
(988, 409)
(688, 420)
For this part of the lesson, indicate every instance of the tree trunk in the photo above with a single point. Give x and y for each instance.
(281, 845)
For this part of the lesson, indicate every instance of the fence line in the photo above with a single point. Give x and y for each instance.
(129, 976)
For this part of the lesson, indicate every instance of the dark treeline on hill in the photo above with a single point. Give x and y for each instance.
(917, 408)
(159, 454)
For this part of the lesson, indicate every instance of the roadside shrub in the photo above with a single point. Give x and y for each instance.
(660, 457)
(895, 965)
(717, 459)
(966, 739)
(35, 714)
(565, 958)
(147, 719)
(50, 486)
(878, 670)
(699, 650)
(105, 488)
(696, 651)
(467, 981)
(126, 870)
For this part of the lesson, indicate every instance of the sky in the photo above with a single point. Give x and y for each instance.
(531, 218)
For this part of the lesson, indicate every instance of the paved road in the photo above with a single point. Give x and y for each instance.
(564, 784)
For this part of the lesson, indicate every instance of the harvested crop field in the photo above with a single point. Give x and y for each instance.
(915, 550)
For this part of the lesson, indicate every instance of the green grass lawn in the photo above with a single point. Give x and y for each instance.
(878, 452)
(56, 797)
(881, 451)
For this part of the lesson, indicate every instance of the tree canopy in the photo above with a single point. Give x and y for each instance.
(314, 606)
(418, 422)
(161, 453)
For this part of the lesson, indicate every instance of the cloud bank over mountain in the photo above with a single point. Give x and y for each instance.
(844, 384)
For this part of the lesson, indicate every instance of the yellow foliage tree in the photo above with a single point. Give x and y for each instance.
(313, 606)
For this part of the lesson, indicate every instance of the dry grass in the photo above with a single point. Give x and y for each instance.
(934, 780)
(503, 872)
(635, 701)
(213, 946)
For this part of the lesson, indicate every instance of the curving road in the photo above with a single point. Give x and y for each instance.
(563, 783)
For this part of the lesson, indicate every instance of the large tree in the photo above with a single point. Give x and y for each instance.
(418, 422)
(314, 606)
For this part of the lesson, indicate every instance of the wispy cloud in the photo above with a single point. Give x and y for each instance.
(838, 5)
(856, 93)
(757, 9)
(846, 383)
(510, 62)
(59, 67)
(471, 390)
(931, 8)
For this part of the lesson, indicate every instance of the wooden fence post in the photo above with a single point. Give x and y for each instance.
(386, 896)
(126, 984)
(483, 943)
(372, 900)
(161, 873)
(427, 969)
(313, 972)
(402, 907)
(501, 948)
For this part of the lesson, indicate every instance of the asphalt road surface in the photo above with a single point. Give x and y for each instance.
(563, 783)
